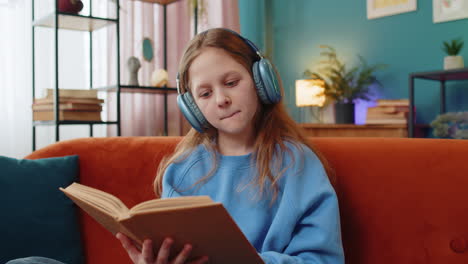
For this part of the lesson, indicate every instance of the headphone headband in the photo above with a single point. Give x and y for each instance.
(246, 41)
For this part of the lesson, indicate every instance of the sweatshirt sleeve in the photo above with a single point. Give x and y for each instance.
(310, 209)
(170, 181)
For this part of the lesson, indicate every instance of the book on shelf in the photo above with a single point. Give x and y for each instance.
(396, 118)
(70, 106)
(388, 109)
(74, 93)
(67, 115)
(393, 102)
(196, 220)
(386, 121)
(69, 100)
(397, 115)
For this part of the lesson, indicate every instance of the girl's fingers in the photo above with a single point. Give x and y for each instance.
(147, 254)
(147, 251)
(183, 255)
(164, 251)
(127, 244)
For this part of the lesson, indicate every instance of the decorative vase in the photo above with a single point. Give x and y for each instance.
(70, 6)
(344, 113)
(453, 62)
(133, 64)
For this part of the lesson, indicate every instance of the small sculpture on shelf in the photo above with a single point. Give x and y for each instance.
(133, 64)
(159, 78)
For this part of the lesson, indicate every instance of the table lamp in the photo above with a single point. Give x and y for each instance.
(311, 92)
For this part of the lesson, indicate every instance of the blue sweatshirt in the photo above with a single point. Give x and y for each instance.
(301, 226)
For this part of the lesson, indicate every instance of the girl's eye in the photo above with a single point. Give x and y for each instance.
(232, 83)
(205, 94)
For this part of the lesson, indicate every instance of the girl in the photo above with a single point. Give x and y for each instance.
(248, 154)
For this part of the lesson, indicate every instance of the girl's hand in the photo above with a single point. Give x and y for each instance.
(146, 256)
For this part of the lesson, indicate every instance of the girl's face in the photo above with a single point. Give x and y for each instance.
(224, 91)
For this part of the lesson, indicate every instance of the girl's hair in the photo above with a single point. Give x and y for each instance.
(273, 126)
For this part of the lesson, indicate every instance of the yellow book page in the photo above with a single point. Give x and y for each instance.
(103, 200)
(171, 203)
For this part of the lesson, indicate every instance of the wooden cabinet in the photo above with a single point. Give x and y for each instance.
(350, 130)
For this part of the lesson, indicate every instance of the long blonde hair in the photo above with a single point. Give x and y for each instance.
(273, 126)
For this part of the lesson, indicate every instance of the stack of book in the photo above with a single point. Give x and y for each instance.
(74, 105)
(388, 111)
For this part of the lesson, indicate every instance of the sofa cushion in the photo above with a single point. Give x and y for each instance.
(37, 219)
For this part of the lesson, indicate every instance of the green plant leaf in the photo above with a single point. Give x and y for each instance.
(453, 47)
(343, 83)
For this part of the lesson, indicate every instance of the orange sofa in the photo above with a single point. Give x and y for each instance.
(401, 200)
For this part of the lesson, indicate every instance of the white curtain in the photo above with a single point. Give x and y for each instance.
(16, 75)
(15, 78)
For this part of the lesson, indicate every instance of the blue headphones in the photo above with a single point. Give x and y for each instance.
(266, 83)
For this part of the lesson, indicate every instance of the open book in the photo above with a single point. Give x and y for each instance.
(197, 220)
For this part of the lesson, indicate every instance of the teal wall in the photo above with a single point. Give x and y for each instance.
(408, 42)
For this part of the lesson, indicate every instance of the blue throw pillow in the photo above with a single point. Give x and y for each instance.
(37, 219)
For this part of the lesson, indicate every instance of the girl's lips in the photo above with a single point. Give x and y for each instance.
(231, 115)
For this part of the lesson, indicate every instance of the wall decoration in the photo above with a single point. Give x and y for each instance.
(147, 48)
(381, 8)
(448, 10)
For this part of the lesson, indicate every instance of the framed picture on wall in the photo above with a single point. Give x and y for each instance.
(448, 10)
(381, 8)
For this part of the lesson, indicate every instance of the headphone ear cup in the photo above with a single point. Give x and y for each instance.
(266, 81)
(259, 84)
(191, 112)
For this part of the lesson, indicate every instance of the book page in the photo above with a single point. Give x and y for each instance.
(171, 203)
(95, 197)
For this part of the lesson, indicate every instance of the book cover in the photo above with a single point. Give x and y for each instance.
(386, 121)
(196, 220)
(67, 115)
(69, 100)
(75, 93)
(388, 109)
(393, 102)
(70, 106)
(397, 115)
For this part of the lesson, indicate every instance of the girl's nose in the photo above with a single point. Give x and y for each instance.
(223, 100)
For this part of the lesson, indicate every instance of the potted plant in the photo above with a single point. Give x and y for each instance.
(452, 49)
(451, 125)
(344, 85)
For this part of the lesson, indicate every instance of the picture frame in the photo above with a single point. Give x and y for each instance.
(382, 8)
(449, 10)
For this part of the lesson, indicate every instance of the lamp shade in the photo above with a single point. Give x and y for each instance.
(310, 92)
